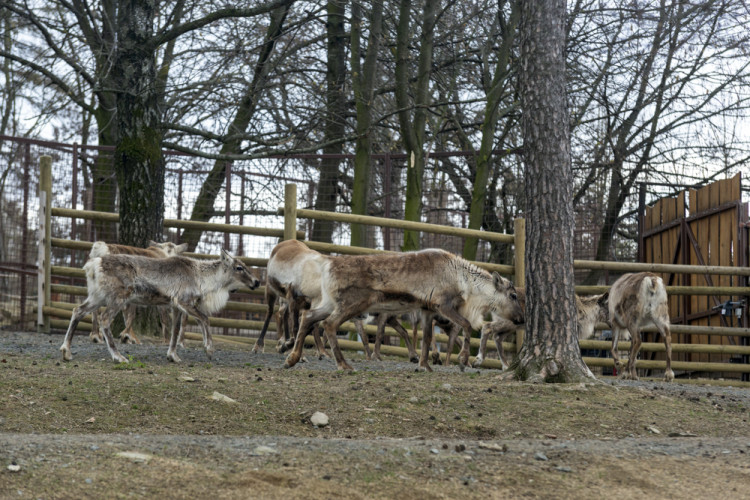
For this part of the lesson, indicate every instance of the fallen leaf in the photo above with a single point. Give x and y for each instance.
(91, 420)
(217, 396)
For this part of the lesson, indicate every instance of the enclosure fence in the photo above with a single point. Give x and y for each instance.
(245, 310)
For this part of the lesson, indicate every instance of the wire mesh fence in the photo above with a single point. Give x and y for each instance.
(246, 193)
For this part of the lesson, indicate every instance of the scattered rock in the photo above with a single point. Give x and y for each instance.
(14, 468)
(493, 447)
(186, 378)
(319, 419)
(447, 387)
(217, 396)
(563, 468)
(653, 429)
(540, 456)
(91, 420)
(264, 450)
(434, 451)
(414, 399)
(682, 434)
(135, 456)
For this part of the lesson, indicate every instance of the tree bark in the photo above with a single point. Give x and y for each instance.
(413, 129)
(203, 209)
(335, 120)
(363, 81)
(138, 161)
(489, 124)
(550, 350)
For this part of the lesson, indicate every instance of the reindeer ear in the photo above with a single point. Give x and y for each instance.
(499, 281)
(181, 248)
(604, 299)
(226, 258)
(152, 243)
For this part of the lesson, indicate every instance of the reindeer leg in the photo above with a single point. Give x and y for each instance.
(95, 335)
(482, 346)
(450, 313)
(635, 346)
(271, 302)
(502, 328)
(309, 320)
(394, 323)
(358, 323)
(452, 336)
(330, 325)
(88, 306)
(165, 320)
(667, 336)
(177, 325)
(427, 341)
(615, 354)
(127, 336)
(106, 319)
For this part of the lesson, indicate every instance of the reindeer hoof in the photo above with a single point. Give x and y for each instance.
(423, 368)
(345, 366)
(414, 359)
(257, 348)
(66, 353)
(119, 358)
(477, 362)
(96, 339)
(174, 358)
(668, 376)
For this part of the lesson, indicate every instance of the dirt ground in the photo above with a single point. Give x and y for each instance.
(94, 429)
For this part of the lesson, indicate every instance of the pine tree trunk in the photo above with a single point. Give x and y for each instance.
(550, 350)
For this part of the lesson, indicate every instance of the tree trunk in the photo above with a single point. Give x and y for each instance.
(335, 119)
(550, 350)
(204, 203)
(494, 96)
(412, 131)
(363, 81)
(138, 161)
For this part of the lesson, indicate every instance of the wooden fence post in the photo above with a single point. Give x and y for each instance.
(519, 233)
(290, 212)
(45, 233)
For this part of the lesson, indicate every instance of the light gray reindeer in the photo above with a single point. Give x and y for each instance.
(195, 287)
(434, 281)
(155, 251)
(590, 310)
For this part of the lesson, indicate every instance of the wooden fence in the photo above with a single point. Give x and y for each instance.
(56, 313)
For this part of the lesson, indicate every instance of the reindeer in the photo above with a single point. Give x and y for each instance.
(293, 275)
(590, 311)
(155, 251)
(635, 301)
(433, 281)
(195, 287)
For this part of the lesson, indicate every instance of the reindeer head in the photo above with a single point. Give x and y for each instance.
(240, 273)
(509, 303)
(169, 248)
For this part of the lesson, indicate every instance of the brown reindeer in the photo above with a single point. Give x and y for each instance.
(155, 251)
(433, 281)
(195, 287)
(636, 301)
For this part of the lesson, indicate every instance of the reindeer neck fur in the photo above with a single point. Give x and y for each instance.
(214, 280)
(472, 278)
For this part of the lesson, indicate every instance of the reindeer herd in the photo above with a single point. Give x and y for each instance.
(319, 292)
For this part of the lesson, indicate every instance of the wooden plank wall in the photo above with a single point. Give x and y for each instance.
(718, 243)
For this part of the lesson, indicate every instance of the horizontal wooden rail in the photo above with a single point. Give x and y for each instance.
(676, 290)
(660, 268)
(177, 223)
(606, 345)
(687, 366)
(402, 224)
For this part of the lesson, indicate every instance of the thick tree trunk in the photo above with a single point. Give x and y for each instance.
(550, 349)
(139, 162)
(335, 119)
